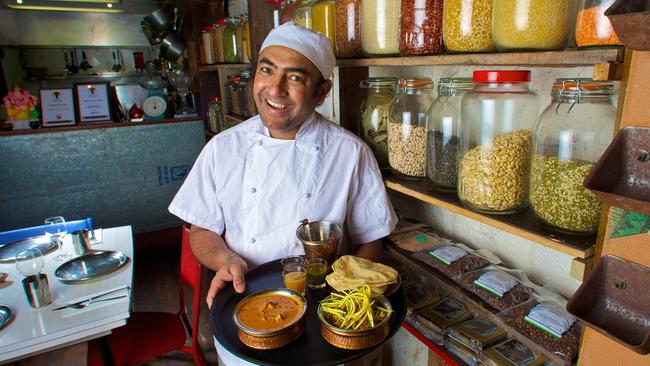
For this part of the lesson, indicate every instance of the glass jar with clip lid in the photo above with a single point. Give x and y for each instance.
(570, 136)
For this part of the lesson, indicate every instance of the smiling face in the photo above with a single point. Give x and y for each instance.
(287, 89)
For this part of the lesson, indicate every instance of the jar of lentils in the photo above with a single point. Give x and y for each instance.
(499, 115)
(407, 133)
(593, 27)
(421, 29)
(443, 124)
(375, 114)
(322, 14)
(571, 135)
(348, 28)
(532, 24)
(467, 25)
(380, 27)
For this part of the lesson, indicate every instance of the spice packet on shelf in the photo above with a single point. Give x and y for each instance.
(461, 351)
(512, 352)
(477, 334)
(419, 295)
(499, 287)
(415, 240)
(548, 328)
(439, 316)
(453, 260)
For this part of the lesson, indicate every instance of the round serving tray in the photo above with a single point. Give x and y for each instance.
(308, 349)
(9, 251)
(5, 316)
(94, 264)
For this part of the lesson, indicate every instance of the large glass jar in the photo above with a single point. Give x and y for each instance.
(593, 27)
(322, 14)
(230, 45)
(570, 137)
(247, 40)
(302, 14)
(421, 28)
(532, 24)
(217, 40)
(348, 28)
(499, 115)
(380, 27)
(467, 25)
(375, 114)
(443, 124)
(239, 38)
(206, 43)
(245, 94)
(227, 98)
(215, 117)
(407, 133)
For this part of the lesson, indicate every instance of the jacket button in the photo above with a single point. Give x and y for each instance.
(253, 190)
(307, 195)
(259, 143)
(316, 148)
(251, 240)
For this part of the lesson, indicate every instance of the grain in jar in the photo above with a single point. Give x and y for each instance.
(421, 27)
(407, 132)
(375, 114)
(217, 40)
(380, 27)
(467, 25)
(206, 44)
(570, 137)
(348, 28)
(302, 14)
(593, 27)
(499, 115)
(531, 24)
(322, 13)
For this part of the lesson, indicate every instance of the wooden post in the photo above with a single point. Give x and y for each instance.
(350, 96)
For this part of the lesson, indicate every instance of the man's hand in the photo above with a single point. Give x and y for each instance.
(232, 272)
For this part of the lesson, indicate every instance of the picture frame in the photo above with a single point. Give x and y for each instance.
(58, 107)
(93, 102)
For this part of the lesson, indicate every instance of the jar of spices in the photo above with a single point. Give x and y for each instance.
(322, 13)
(421, 28)
(230, 45)
(443, 124)
(407, 133)
(499, 115)
(571, 135)
(467, 25)
(375, 114)
(532, 24)
(245, 94)
(380, 27)
(302, 14)
(206, 39)
(593, 27)
(227, 98)
(348, 28)
(217, 40)
(289, 10)
(234, 95)
(215, 117)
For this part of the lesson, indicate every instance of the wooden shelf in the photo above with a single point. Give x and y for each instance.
(522, 224)
(234, 118)
(474, 303)
(555, 59)
(217, 67)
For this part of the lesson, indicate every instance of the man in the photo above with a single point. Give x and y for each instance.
(252, 184)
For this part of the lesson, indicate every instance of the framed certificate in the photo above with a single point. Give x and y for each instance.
(57, 107)
(92, 102)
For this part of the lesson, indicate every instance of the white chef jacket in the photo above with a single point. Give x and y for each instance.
(257, 189)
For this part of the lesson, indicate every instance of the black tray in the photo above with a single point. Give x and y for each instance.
(310, 348)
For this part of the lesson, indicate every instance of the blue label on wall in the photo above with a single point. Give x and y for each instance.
(167, 174)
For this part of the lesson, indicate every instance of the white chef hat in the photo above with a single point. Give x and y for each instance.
(313, 45)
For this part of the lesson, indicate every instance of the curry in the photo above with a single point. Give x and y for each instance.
(266, 312)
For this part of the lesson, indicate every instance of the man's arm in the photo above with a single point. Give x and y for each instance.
(212, 251)
(372, 250)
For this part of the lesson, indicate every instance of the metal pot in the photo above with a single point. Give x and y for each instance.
(161, 19)
(172, 47)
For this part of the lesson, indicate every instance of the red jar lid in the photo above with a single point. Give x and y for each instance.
(221, 21)
(500, 76)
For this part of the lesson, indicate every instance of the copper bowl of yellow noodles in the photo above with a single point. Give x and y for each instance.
(368, 328)
(270, 318)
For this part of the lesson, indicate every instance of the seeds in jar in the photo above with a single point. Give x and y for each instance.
(543, 25)
(407, 149)
(442, 163)
(421, 29)
(467, 25)
(558, 197)
(380, 27)
(494, 176)
(594, 29)
(348, 28)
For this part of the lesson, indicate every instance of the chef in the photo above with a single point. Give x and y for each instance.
(252, 184)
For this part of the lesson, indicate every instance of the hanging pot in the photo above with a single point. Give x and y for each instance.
(172, 47)
(161, 19)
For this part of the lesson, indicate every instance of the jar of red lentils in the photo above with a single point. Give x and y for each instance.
(421, 28)
(593, 27)
(348, 29)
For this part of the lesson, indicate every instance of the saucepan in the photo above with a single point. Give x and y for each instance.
(172, 47)
(161, 19)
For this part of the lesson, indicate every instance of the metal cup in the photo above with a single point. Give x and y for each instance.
(320, 239)
(81, 241)
(37, 290)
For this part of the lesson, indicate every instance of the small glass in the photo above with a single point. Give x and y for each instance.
(295, 278)
(29, 263)
(292, 261)
(316, 272)
(56, 227)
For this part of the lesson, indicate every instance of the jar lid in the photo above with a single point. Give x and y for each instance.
(221, 21)
(384, 82)
(448, 86)
(588, 86)
(501, 76)
(415, 83)
(214, 99)
(207, 29)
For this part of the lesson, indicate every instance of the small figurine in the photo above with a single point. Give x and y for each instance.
(20, 104)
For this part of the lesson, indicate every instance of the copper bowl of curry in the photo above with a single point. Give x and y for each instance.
(270, 318)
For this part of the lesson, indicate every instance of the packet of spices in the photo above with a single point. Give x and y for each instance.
(550, 318)
(457, 348)
(451, 260)
(477, 334)
(493, 285)
(512, 353)
(419, 295)
(415, 240)
(445, 313)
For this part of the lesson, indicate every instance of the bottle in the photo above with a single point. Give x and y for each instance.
(498, 117)
(443, 131)
(407, 133)
(215, 117)
(570, 136)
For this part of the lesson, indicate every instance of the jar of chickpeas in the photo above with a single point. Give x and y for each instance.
(467, 25)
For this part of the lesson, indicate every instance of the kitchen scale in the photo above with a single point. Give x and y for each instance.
(155, 105)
